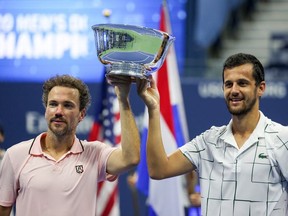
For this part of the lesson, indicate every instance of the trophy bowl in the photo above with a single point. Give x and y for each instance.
(130, 50)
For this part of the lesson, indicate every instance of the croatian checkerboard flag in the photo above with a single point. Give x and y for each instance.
(166, 197)
(106, 128)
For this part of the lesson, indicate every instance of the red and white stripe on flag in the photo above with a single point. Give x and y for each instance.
(107, 199)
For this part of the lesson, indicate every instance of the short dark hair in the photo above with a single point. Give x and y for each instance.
(70, 82)
(243, 58)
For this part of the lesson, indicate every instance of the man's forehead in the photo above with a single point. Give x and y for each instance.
(61, 91)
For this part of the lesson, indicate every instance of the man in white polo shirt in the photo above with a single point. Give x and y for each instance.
(242, 166)
(56, 174)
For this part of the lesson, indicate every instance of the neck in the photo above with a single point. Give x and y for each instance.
(59, 145)
(243, 127)
(245, 124)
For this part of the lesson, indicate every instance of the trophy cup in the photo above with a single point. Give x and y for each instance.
(129, 50)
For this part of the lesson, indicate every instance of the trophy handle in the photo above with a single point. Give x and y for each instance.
(162, 49)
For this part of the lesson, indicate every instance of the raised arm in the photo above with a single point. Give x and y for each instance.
(159, 164)
(128, 155)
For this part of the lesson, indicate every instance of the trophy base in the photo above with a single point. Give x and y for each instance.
(128, 69)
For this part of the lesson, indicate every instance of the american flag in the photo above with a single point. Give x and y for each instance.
(106, 128)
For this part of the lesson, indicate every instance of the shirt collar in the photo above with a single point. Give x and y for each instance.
(258, 132)
(36, 148)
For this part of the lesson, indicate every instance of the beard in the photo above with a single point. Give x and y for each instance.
(243, 110)
(59, 131)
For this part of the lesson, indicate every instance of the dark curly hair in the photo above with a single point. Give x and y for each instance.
(70, 82)
(242, 58)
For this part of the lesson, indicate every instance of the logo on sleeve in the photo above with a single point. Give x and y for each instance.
(79, 169)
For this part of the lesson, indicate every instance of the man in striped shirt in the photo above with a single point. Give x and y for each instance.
(242, 166)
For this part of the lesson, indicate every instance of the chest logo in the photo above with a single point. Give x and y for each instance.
(79, 168)
(263, 156)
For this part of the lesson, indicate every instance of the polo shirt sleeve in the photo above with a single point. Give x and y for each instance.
(110, 177)
(191, 151)
(8, 183)
(278, 142)
(106, 151)
(201, 148)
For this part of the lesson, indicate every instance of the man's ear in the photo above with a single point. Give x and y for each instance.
(82, 115)
(261, 89)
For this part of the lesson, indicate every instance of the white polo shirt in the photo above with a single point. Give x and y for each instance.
(251, 180)
(42, 186)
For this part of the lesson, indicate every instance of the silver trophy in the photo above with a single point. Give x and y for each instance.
(129, 50)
